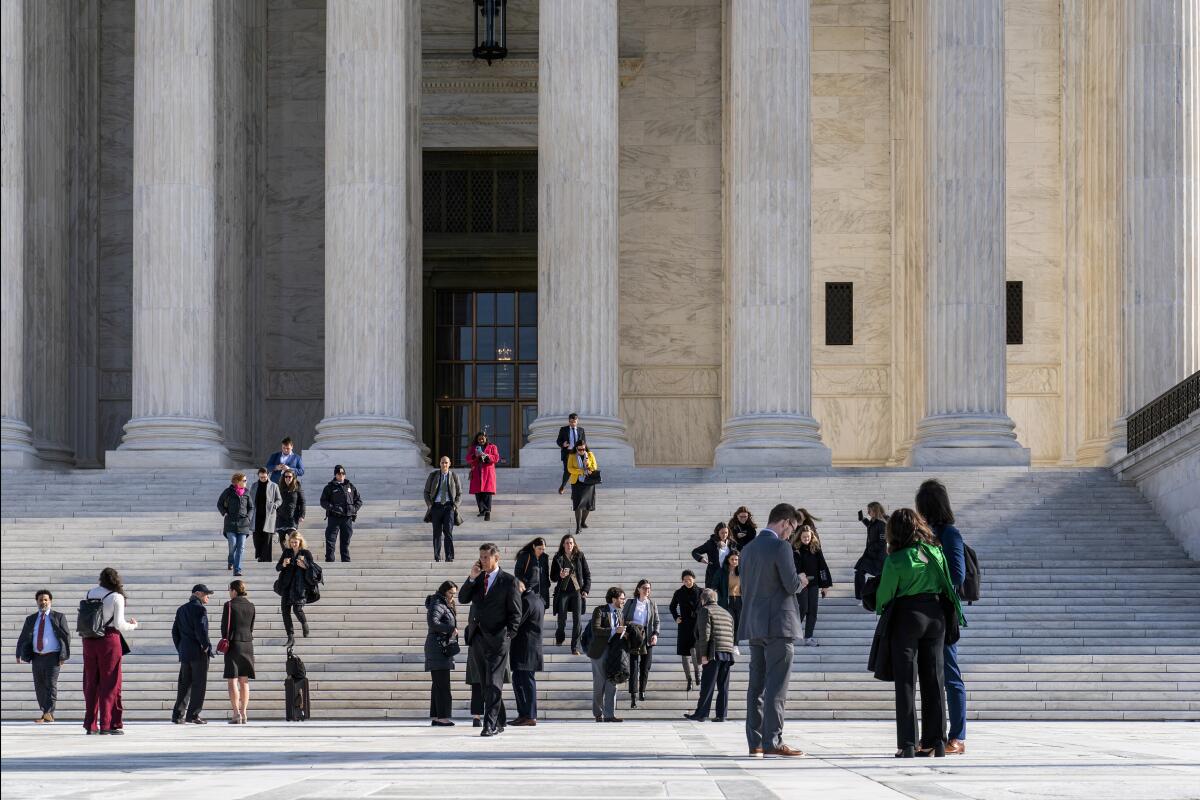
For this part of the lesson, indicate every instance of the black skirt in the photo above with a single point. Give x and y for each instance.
(583, 496)
(239, 660)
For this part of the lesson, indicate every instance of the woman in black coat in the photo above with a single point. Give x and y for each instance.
(290, 515)
(742, 527)
(871, 561)
(441, 619)
(573, 582)
(684, 604)
(237, 628)
(532, 566)
(237, 510)
(713, 553)
(810, 562)
(298, 574)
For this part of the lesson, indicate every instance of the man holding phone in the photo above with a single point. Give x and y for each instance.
(494, 620)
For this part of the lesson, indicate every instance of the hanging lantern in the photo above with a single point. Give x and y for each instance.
(494, 17)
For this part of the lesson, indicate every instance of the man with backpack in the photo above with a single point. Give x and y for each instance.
(190, 634)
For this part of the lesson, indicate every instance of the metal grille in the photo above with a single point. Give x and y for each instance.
(1164, 412)
(529, 207)
(480, 201)
(839, 313)
(1014, 293)
(508, 201)
(431, 202)
(456, 202)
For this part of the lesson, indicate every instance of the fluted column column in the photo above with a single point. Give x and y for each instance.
(16, 437)
(768, 238)
(367, 171)
(1161, 200)
(966, 422)
(577, 230)
(174, 264)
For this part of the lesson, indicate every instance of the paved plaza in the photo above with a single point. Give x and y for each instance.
(269, 760)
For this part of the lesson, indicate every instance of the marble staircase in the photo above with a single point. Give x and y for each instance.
(1088, 608)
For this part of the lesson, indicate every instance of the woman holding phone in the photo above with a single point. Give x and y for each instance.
(482, 457)
(583, 472)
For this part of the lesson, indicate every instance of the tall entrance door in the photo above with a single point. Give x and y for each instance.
(485, 370)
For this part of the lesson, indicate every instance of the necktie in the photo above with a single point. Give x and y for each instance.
(41, 631)
(485, 584)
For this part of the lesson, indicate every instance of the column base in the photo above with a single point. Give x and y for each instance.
(606, 437)
(364, 441)
(968, 440)
(16, 446)
(772, 440)
(170, 442)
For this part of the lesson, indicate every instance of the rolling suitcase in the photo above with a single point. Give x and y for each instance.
(295, 690)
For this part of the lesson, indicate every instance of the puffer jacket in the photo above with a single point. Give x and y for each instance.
(291, 510)
(238, 511)
(714, 631)
(441, 620)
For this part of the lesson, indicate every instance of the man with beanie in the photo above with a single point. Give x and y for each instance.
(341, 502)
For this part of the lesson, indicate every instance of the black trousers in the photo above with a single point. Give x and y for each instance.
(808, 600)
(639, 670)
(45, 680)
(440, 698)
(289, 607)
(525, 690)
(917, 632)
(193, 683)
(262, 546)
(443, 528)
(336, 525)
(735, 610)
(570, 604)
(491, 659)
(566, 476)
(714, 678)
(484, 501)
(476, 700)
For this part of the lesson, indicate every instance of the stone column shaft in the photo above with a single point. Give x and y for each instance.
(963, 77)
(768, 238)
(174, 263)
(577, 229)
(16, 437)
(367, 171)
(1161, 199)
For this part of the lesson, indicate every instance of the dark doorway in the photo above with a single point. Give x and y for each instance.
(481, 337)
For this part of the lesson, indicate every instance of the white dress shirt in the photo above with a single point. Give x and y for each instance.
(641, 612)
(50, 643)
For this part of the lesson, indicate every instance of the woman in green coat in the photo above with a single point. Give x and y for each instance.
(916, 584)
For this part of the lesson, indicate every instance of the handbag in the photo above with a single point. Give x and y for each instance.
(450, 647)
(223, 645)
(591, 479)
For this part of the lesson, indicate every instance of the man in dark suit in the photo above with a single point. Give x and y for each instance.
(770, 620)
(44, 642)
(190, 634)
(526, 654)
(495, 617)
(568, 436)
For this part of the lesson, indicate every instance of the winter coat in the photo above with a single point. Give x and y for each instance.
(525, 649)
(714, 631)
(813, 565)
(580, 579)
(871, 561)
(340, 499)
(742, 534)
(711, 551)
(190, 631)
(483, 476)
(652, 625)
(238, 511)
(535, 572)
(271, 506)
(684, 605)
(291, 509)
(294, 584)
(441, 620)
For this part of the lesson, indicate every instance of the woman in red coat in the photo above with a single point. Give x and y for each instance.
(483, 458)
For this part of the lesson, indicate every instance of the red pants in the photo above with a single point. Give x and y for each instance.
(102, 682)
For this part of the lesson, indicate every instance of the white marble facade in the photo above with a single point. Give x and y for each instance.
(653, 123)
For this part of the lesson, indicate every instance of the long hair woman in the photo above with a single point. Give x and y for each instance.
(871, 561)
(573, 581)
(640, 610)
(482, 456)
(103, 709)
(441, 620)
(532, 566)
(297, 571)
(290, 515)
(237, 627)
(743, 527)
(810, 562)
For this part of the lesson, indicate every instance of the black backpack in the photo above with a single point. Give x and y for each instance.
(295, 667)
(90, 624)
(970, 585)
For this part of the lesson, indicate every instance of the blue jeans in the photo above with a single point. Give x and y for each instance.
(956, 693)
(237, 544)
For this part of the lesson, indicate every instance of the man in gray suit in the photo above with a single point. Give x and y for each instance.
(771, 622)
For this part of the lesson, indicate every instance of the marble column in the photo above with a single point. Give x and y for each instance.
(1161, 200)
(577, 230)
(768, 238)
(16, 437)
(174, 260)
(962, 71)
(367, 259)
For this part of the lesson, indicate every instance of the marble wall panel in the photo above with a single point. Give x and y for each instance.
(857, 429)
(676, 431)
(1039, 421)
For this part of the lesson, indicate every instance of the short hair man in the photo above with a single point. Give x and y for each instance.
(494, 620)
(285, 459)
(45, 642)
(607, 630)
(190, 635)
(568, 436)
(771, 622)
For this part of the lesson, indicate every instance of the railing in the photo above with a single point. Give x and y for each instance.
(1164, 412)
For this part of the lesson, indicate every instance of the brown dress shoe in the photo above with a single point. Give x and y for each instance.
(784, 751)
(524, 722)
(956, 747)
(47, 717)
(756, 752)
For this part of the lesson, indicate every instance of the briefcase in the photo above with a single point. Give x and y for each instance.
(295, 693)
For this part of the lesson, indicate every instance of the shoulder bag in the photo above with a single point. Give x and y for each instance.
(223, 645)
